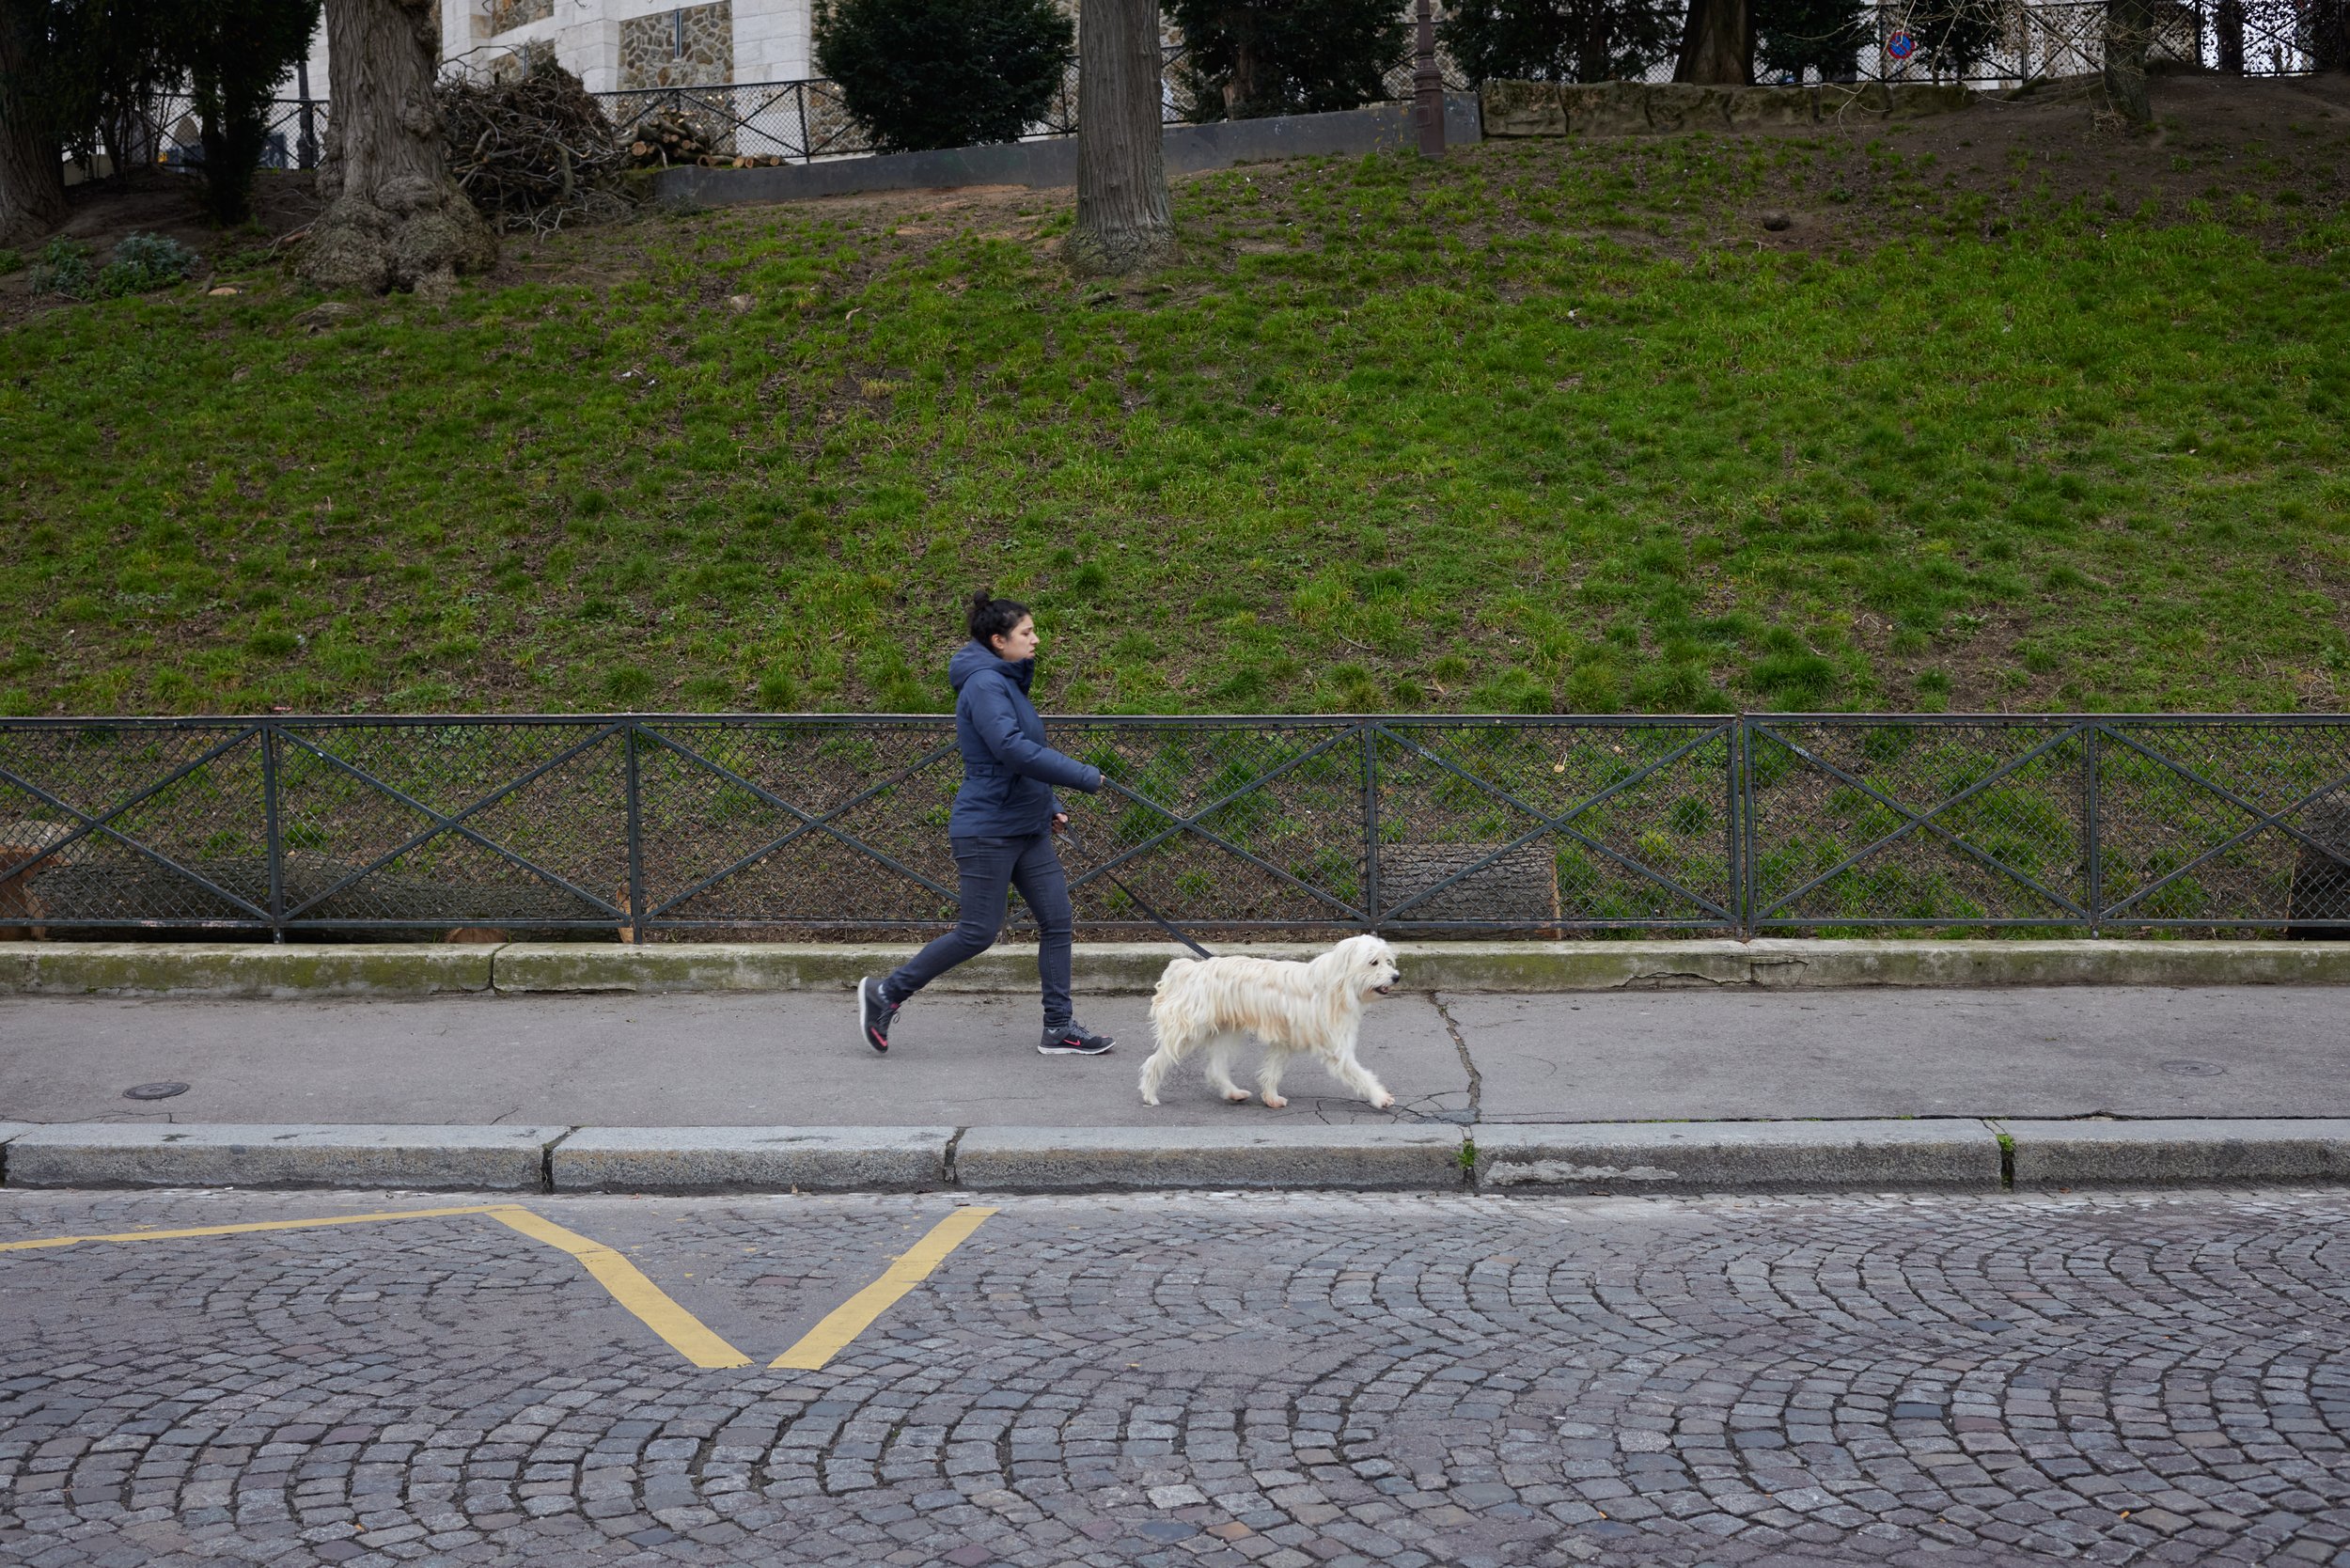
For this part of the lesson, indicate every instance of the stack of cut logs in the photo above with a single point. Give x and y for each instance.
(666, 136)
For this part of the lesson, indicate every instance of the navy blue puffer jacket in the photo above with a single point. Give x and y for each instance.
(1008, 770)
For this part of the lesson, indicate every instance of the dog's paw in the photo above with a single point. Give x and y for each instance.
(1238, 1096)
(1273, 1102)
(1150, 1099)
(1384, 1101)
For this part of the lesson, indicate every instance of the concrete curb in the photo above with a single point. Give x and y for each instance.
(2177, 1154)
(242, 970)
(1617, 1158)
(424, 969)
(150, 1155)
(751, 1159)
(1041, 1159)
(1741, 1156)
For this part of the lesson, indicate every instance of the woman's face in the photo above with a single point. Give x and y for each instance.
(1019, 643)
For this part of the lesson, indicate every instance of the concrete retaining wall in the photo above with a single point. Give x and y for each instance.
(1053, 162)
(303, 970)
(1640, 108)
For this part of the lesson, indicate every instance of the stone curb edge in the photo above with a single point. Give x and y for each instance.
(302, 970)
(1616, 1159)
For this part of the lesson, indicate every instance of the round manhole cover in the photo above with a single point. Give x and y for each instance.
(2186, 1069)
(153, 1091)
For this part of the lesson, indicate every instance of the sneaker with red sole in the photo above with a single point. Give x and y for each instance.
(875, 1012)
(1071, 1039)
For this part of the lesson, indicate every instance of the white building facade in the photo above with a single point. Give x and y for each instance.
(613, 45)
(621, 45)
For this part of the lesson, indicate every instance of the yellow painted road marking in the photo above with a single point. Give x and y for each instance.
(687, 1335)
(627, 1285)
(241, 1230)
(853, 1316)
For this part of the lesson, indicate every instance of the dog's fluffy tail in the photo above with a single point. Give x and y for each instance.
(1176, 969)
(1163, 996)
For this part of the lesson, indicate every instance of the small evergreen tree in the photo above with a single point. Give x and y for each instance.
(235, 53)
(1559, 40)
(931, 73)
(1824, 35)
(1246, 59)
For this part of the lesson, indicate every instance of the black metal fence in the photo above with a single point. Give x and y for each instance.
(1424, 825)
(808, 120)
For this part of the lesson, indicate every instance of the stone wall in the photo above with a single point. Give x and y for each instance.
(690, 47)
(504, 15)
(1640, 108)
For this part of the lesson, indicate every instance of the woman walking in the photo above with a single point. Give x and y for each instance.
(1001, 829)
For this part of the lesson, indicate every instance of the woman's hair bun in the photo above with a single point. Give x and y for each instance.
(988, 616)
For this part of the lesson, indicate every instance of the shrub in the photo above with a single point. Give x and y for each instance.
(64, 268)
(1246, 58)
(1824, 35)
(140, 262)
(145, 261)
(1559, 40)
(932, 73)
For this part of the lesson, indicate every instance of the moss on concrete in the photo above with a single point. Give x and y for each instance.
(156, 969)
(242, 970)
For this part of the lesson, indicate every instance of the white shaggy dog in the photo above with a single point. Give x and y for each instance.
(1315, 1006)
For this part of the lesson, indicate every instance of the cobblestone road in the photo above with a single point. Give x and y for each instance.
(1203, 1380)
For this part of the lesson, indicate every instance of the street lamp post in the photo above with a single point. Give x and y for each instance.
(1427, 84)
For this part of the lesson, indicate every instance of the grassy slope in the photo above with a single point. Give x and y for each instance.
(1548, 426)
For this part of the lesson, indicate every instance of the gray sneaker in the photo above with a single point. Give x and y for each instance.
(1071, 1039)
(875, 1013)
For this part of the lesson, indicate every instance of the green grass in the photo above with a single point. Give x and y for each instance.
(1541, 430)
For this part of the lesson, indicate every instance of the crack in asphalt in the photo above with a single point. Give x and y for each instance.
(1469, 1063)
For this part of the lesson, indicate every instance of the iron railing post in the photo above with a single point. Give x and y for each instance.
(2095, 828)
(1734, 815)
(636, 933)
(1370, 825)
(306, 148)
(273, 836)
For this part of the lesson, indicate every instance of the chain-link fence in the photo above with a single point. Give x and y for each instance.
(171, 132)
(639, 826)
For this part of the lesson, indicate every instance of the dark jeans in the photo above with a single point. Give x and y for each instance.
(988, 867)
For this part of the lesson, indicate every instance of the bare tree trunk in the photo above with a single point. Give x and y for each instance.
(2329, 34)
(1717, 44)
(32, 173)
(2128, 22)
(1239, 91)
(1591, 55)
(1125, 223)
(2231, 29)
(394, 218)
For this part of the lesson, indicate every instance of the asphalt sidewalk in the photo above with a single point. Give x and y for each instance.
(968, 1061)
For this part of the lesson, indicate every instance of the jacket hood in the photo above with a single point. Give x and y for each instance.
(974, 656)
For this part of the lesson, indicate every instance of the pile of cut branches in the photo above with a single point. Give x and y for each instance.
(533, 152)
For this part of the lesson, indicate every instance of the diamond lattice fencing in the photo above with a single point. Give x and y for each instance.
(643, 827)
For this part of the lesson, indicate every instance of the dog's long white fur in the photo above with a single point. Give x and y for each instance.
(1312, 1008)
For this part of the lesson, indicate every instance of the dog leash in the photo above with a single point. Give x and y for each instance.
(1170, 927)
